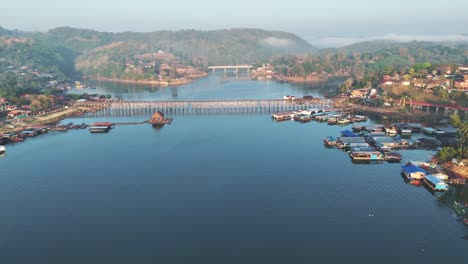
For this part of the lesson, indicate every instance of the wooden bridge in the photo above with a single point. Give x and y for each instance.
(131, 108)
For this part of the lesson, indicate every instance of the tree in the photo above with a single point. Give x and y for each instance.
(462, 136)
(446, 153)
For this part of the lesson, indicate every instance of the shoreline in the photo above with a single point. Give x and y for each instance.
(148, 82)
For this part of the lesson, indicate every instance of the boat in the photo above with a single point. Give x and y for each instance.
(2, 150)
(429, 131)
(303, 118)
(343, 121)
(365, 154)
(393, 157)
(460, 209)
(435, 183)
(282, 118)
(330, 141)
(391, 130)
(465, 221)
(99, 129)
(360, 118)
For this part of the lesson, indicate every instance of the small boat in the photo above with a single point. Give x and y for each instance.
(465, 221)
(2, 150)
(460, 209)
(330, 141)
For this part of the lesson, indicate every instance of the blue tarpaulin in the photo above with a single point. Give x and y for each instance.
(347, 133)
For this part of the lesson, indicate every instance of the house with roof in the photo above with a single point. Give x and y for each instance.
(412, 172)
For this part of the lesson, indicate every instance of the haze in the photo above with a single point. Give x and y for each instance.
(324, 23)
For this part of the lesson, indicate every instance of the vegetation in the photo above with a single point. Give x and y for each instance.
(368, 62)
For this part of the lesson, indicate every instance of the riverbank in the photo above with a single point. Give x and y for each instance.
(47, 119)
(173, 82)
(301, 80)
(457, 170)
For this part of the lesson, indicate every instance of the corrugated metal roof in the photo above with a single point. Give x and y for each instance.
(413, 169)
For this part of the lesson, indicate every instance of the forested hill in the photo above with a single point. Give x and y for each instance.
(229, 46)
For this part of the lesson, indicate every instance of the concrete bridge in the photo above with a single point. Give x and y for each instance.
(130, 108)
(233, 67)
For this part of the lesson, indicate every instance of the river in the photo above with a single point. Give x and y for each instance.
(215, 188)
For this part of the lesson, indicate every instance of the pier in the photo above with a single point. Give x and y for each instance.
(132, 108)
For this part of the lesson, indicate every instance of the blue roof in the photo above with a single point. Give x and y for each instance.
(413, 169)
(347, 133)
(433, 179)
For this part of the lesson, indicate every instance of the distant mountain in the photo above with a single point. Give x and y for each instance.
(230, 46)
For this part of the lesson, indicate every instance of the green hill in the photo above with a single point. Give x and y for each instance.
(230, 46)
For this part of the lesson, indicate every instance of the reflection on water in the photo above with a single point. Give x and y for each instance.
(214, 87)
(216, 188)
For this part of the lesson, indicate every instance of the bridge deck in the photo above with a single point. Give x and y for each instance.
(125, 108)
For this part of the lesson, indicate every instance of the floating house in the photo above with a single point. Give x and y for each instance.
(435, 183)
(404, 130)
(347, 141)
(412, 172)
(365, 154)
(429, 131)
(100, 127)
(415, 128)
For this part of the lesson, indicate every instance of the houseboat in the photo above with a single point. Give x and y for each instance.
(365, 155)
(343, 121)
(312, 111)
(344, 142)
(333, 120)
(330, 141)
(412, 172)
(358, 129)
(435, 183)
(28, 133)
(100, 127)
(360, 118)
(404, 130)
(391, 130)
(415, 128)
(392, 157)
(303, 118)
(282, 115)
(429, 131)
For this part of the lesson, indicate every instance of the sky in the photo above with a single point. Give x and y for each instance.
(324, 23)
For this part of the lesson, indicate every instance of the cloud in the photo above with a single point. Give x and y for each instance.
(333, 42)
(279, 42)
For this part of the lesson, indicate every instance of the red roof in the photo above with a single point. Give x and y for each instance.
(102, 124)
